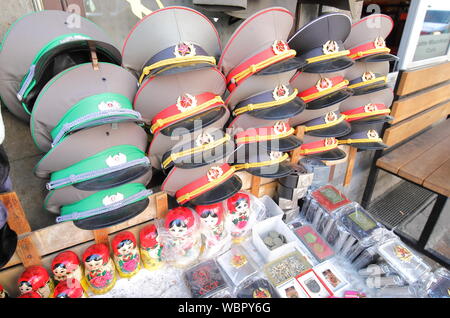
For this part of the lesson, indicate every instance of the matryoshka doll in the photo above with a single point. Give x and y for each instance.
(239, 209)
(184, 241)
(3, 292)
(66, 265)
(126, 254)
(30, 294)
(69, 288)
(36, 279)
(99, 269)
(212, 226)
(150, 247)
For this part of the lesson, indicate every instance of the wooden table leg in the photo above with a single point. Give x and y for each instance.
(350, 165)
(256, 184)
(162, 205)
(101, 236)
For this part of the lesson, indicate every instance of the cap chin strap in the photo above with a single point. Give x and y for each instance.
(327, 125)
(327, 91)
(262, 163)
(372, 81)
(319, 149)
(251, 107)
(355, 141)
(176, 61)
(326, 57)
(104, 209)
(192, 151)
(364, 115)
(248, 139)
(361, 54)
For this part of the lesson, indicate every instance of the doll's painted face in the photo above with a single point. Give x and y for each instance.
(2, 293)
(242, 207)
(94, 262)
(209, 218)
(25, 287)
(60, 270)
(178, 228)
(125, 247)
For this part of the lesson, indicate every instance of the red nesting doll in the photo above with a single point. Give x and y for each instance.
(99, 269)
(69, 288)
(66, 265)
(3, 292)
(126, 254)
(239, 209)
(30, 294)
(150, 247)
(35, 278)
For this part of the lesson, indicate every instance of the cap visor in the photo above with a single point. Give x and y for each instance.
(280, 112)
(114, 179)
(329, 66)
(369, 145)
(191, 124)
(329, 99)
(284, 66)
(222, 192)
(274, 171)
(372, 120)
(341, 129)
(379, 58)
(283, 144)
(113, 217)
(8, 244)
(330, 155)
(369, 89)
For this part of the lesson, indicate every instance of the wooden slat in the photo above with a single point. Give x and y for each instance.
(439, 180)
(411, 105)
(350, 165)
(101, 236)
(26, 250)
(412, 81)
(256, 184)
(425, 164)
(246, 179)
(413, 125)
(397, 158)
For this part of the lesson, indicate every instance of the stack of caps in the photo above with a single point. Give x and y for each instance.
(174, 51)
(322, 85)
(369, 105)
(258, 65)
(79, 102)
(293, 187)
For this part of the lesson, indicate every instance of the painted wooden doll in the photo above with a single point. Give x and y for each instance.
(126, 254)
(69, 288)
(183, 243)
(212, 220)
(239, 209)
(66, 265)
(36, 279)
(3, 292)
(99, 269)
(151, 247)
(30, 294)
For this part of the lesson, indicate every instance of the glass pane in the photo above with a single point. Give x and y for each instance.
(435, 35)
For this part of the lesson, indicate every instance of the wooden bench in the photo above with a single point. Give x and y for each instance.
(419, 142)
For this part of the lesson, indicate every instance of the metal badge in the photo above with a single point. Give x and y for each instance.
(403, 253)
(204, 139)
(372, 134)
(184, 49)
(379, 42)
(330, 47)
(238, 260)
(186, 102)
(279, 47)
(330, 117)
(280, 92)
(214, 173)
(116, 160)
(369, 108)
(367, 76)
(109, 105)
(323, 84)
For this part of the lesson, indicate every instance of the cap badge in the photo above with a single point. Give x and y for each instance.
(369, 108)
(214, 173)
(280, 92)
(204, 139)
(330, 141)
(403, 253)
(109, 105)
(330, 117)
(261, 293)
(372, 134)
(367, 76)
(379, 42)
(116, 160)
(274, 155)
(279, 47)
(238, 260)
(330, 47)
(323, 84)
(186, 102)
(280, 128)
(111, 199)
(184, 49)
